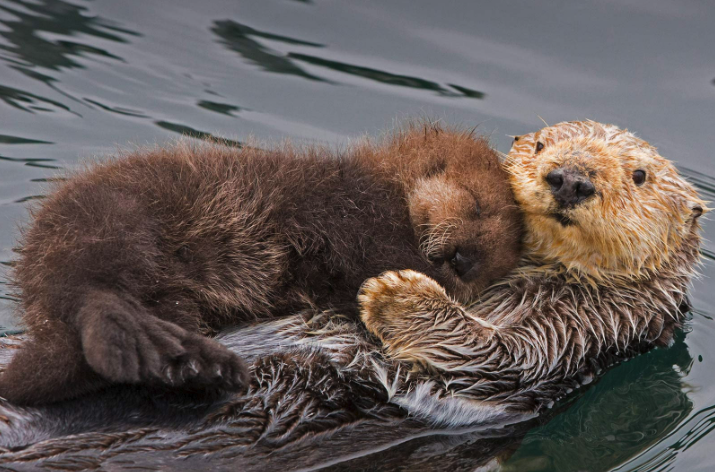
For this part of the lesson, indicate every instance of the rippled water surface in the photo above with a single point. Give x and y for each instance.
(80, 78)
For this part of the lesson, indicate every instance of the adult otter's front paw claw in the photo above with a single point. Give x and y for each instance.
(393, 304)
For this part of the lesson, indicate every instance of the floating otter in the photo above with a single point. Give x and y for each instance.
(612, 240)
(317, 376)
(127, 263)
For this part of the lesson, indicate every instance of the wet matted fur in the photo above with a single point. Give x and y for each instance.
(127, 265)
(605, 273)
(318, 377)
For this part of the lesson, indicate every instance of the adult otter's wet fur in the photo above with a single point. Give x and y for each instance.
(317, 377)
(612, 240)
(127, 263)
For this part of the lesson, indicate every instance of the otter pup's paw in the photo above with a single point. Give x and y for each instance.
(125, 344)
(206, 363)
(395, 303)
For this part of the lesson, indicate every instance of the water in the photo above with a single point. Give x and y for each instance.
(80, 78)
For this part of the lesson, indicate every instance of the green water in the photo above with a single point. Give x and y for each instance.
(79, 78)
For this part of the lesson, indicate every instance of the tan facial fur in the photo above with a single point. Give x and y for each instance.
(624, 229)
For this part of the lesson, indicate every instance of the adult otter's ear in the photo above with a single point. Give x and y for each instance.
(697, 212)
(697, 209)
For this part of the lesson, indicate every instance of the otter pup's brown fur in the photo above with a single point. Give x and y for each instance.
(128, 262)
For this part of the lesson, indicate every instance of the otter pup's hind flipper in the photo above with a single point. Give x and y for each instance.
(116, 340)
(124, 343)
(48, 367)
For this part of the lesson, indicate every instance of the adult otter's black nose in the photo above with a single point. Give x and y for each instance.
(569, 187)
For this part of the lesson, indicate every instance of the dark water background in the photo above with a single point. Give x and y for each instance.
(80, 78)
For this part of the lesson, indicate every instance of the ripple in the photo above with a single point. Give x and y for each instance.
(44, 35)
(7, 139)
(388, 78)
(32, 161)
(27, 101)
(117, 110)
(29, 198)
(632, 408)
(223, 108)
(706, 253)
(681, 439)
(27, 33)
(194, 133)
(701, 181)
(239, 38)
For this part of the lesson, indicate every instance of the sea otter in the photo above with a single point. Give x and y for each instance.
(318, 376)
(129, 263)
(612, 240)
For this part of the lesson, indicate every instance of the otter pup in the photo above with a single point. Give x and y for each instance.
(612, 239)
(128, 264)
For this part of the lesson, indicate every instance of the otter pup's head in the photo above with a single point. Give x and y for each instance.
(600, 201)
(464, 214)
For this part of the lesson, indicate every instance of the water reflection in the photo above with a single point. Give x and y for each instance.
(223, 108)
(33, 24)
(387, 77)
(117, 110)
(703, 182)
(43, 35)
(633, 407)
(27, 101)
(32, 162)
(194, 133)
(239, 38)
(5, 139)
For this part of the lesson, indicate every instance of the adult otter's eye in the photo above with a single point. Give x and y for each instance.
(539, 147)
(639, 177)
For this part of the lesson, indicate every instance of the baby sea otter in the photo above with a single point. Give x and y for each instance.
(128, 264)
(611, 242)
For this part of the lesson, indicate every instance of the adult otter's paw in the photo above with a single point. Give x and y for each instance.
(388, 301)
(398, 307)
(125, 344)
(417, 322)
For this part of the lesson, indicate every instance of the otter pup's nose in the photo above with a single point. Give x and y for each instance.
(461, 264)
(569, 187)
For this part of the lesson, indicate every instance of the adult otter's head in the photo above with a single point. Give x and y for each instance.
(600, 201)
(463, 211)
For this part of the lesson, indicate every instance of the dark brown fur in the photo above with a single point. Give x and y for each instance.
(128, 264)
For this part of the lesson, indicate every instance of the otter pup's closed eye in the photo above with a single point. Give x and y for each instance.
(126, 266)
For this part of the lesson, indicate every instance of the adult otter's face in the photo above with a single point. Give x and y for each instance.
(601, 201)
(469, 227)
